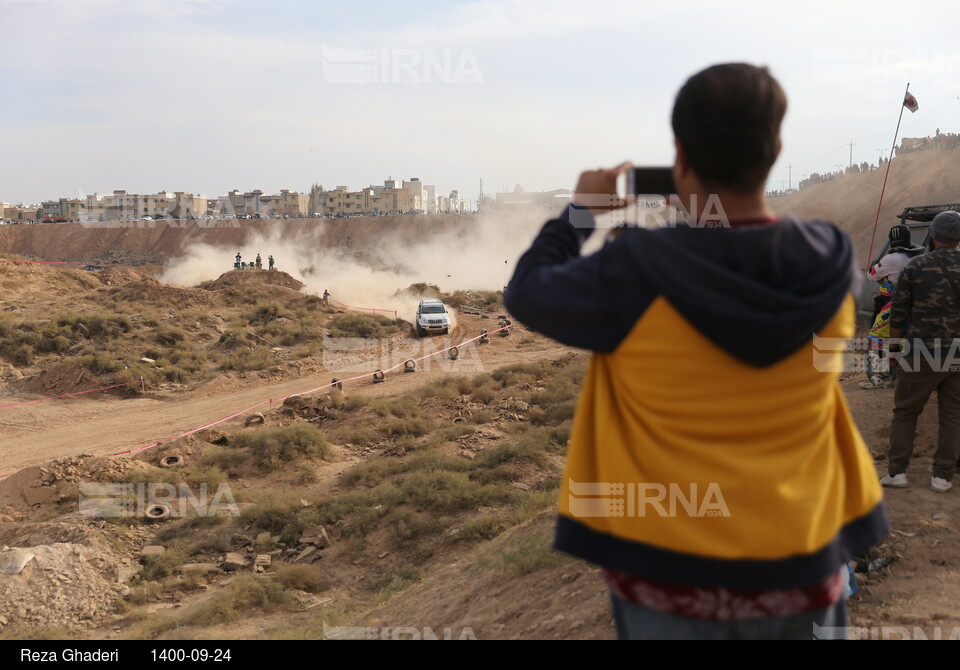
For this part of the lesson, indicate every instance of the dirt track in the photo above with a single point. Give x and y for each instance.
(40, 432)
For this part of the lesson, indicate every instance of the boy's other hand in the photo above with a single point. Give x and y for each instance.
(597, 189)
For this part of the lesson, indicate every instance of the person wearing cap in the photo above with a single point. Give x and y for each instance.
(886, 272)
(926, 314)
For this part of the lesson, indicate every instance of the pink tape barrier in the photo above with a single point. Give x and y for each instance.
(292, 395)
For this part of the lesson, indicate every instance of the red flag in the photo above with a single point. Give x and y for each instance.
(910, 102)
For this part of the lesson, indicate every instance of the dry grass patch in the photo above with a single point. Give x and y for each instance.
(272, 447)
(302, 578)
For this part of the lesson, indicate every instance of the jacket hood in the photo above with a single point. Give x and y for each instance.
(758, 292)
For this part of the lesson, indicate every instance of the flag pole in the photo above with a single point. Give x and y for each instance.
(884, 188)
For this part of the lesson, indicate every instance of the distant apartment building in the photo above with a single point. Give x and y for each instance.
(293, 203)
(219, 207)
(550, 202)
(118, 206)
(96, 207)
(256, 203)
(392, 197)
(249, 203)
(269, 205)
(317, 198)
(21, 213)
(341, 201)
(252, 204)
(452, 204)
(188, 205)
(122, 206)
(64, 209)
(235, 202)
(415, 188)
(50, 209)
(391, 200)
(73, 209)
(159, 204)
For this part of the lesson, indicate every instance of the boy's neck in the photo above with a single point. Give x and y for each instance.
(733, 207)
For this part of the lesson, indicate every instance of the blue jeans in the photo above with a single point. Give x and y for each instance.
(636, 622)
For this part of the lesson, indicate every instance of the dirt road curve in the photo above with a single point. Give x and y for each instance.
(33, 434)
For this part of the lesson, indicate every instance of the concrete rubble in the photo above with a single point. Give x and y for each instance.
(233, 562)
(316, 535)
(150, 550)
(60, 584)
(13, 561)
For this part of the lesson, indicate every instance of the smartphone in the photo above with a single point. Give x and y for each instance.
(650, 181)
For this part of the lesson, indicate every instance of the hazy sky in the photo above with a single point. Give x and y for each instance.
(210, 95)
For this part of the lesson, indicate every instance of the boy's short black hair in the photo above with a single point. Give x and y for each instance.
(727, 119)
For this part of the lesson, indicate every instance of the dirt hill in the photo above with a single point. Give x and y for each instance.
(920, 178)
(241, 278)
(154, 242)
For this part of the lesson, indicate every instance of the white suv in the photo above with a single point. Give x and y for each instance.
(432, 316)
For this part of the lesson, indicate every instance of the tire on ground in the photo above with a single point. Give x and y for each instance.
(157, 512)
(171, 461)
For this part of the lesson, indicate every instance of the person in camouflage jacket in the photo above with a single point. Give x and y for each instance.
(926, 314)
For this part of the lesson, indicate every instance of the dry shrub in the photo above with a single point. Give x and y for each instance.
(364, 325)
(243, 598)
(302, 577)
(272, 447)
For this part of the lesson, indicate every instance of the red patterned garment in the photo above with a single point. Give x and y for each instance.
(696, 602)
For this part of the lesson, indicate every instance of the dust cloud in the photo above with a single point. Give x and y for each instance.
(372, 270)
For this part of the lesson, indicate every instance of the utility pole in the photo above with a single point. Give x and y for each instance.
(851, 152)
(790, 175)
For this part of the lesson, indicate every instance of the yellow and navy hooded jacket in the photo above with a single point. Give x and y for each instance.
(707, 448)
